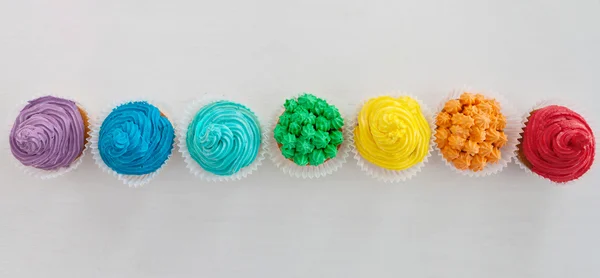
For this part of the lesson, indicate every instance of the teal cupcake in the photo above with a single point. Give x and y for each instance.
(220, 140)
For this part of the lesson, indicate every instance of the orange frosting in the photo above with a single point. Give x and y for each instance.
(478, 162)
(470, 131)
(443, 120)
(456, 142)
(453, 106)
(463, 161)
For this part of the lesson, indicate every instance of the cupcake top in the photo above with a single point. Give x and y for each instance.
(392, 133)
(470, 131)
(558, 144)
(309, 132)
(224, 137)
(48, 133)
(135, 139)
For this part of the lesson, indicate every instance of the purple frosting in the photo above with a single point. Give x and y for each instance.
(48, 133)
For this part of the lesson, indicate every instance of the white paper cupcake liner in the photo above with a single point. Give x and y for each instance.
(40, 173)
(386, 175)
(130, 180)
(309, 171)
(512, 130)
(573, 106)
(195, 168)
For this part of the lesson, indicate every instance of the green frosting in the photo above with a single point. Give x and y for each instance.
(289, 141)
(295, 128)
(285, 119)
(322, 124)
(288, 152)
(331, 112)
(330, 151)
(316, 157)
(308, 131)
(321, 139)
(301, 159)
(280, 131)
(310, 120)
(337, 123)
(299, 116)
(303, 146)
(320, 106)
(307, 101)
(336, 137)
(290, 105)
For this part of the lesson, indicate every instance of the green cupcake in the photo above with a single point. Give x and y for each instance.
(309, 132)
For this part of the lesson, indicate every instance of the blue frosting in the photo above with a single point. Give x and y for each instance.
(224, 137)
(135, 139)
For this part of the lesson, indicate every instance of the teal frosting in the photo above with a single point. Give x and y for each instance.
(316, 157)
(135, 139)
(224, 137)
(337, 137)
(323, 124)
(330, 151)
(321, 139)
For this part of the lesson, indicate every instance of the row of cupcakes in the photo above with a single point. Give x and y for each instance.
(391, 136)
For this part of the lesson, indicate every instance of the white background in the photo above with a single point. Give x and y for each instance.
(87, 224)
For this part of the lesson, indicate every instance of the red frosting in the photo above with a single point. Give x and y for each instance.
(558, 143)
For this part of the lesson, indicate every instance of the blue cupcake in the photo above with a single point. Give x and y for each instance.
(221, 140)
(134, 141)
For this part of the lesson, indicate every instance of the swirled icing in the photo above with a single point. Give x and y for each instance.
(224, 137)
(558, 143)
(48, 133)
(135, 139)
(392, 132)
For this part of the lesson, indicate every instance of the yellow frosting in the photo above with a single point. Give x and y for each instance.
(392, 132)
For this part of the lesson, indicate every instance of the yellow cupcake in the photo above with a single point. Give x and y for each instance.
(392, 133)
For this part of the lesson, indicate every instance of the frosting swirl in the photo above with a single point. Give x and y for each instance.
(135, 139)
(224, 137)
(392, 132)
(48, 133)
(558, 143)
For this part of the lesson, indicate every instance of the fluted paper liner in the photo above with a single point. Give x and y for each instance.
(195, 168)
(41, 173)
(512, 130)
(130, 180)
(544, 103)
(378, 172)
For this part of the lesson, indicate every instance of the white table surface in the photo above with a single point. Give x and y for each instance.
(440, 224)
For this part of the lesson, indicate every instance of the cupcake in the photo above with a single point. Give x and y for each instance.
(221, 140)
(392, 137)
(133, 142)
(309, 138)
(475, 134)
(557, 143)
(49, 136)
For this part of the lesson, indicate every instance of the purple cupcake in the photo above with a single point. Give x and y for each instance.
(49, 136)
